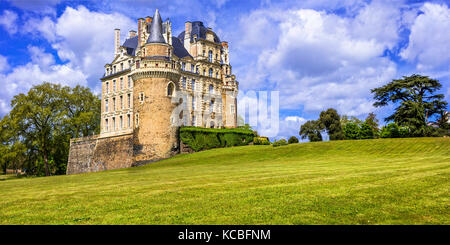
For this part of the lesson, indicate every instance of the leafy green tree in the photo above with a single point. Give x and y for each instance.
(293, 140)
(46, 118)
(346, 119)
(366, 131)
(390, 131)
(351, 131)
(372, 121)
(331, 121)
(417, 98)
(311, 130)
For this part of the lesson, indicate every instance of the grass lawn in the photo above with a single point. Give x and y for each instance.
(383, 181)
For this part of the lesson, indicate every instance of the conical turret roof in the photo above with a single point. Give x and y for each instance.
(156, 30)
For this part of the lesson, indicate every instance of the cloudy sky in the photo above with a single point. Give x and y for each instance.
(316, 53)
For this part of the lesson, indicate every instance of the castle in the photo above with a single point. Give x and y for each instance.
(156, 83)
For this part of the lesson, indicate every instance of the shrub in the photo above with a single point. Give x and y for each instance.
(279, 143)
(293, 140)
(206, 138)
(390, 131)
(366, 131)
(261, 141)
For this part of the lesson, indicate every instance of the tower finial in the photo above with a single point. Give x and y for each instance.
(156, 29)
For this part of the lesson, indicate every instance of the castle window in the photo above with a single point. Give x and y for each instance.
(183, 66)
(210, 55)
(129, 121)
(210, 72)
(217, 74)
(114, 69)
(137, 121)
(121, 83)
(170, 89)
(197, 68)
(141, 97)
(129, 101)
(107, 87)
(121, 66)
(114, 104)
(193, 121)
(106, 125)
(106, 105)
(204, 72)
(129, 81)
(204, 53)
(216, 56)
(114, 85)
(137, 64)
(192, 68)
(193, 84)
(121, 122)
(211, 106)
(114, 124)
(212, 124)
(193, 103)
(211, 89)
(121, 102)
(184, 82)
(232, 109)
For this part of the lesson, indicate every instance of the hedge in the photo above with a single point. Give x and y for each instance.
(206, 138)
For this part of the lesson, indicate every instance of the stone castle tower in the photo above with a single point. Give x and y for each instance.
(156, 83)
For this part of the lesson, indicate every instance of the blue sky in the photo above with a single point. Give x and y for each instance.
(317, 53)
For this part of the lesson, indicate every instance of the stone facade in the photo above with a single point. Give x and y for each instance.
(156, 83)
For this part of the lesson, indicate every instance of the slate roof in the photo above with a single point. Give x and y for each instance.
(200, 30)
(156, 29)
(178, 47)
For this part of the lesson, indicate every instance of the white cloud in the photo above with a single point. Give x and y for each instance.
(429, 41)
(86, 38)
(41, 68)
(318, 59)
(3, 64)
(9, 21)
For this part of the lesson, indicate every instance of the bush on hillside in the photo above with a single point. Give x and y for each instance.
(279, 143)
(261, 141)
(207, 138)
(293, 140)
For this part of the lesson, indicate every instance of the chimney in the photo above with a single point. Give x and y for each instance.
(140, 31)
(116, 41)
(131, 34)
(187, 35)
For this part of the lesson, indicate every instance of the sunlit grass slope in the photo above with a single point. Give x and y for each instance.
(385, 181)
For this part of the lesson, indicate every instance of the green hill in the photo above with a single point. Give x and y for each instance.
(385, 181)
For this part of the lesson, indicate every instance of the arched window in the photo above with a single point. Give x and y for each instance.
(211, 89)
(210, 55)
(211, 106)
(170, 89)
(210, 72)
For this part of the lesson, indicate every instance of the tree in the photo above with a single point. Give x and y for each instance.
(46, 118)
(351, 131)
(417, 99)
(366, 131)
(372, 121)
(330, 120)
(346, 119)
(311, 130)
(293, 140)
